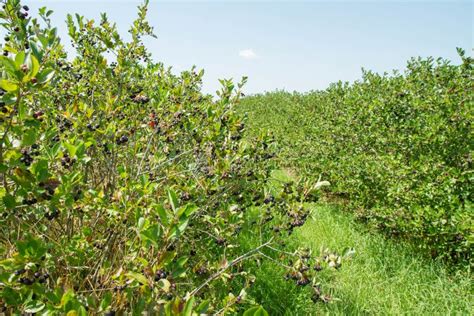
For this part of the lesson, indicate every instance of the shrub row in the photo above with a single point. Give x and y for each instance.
(124, 187)
(398, 145)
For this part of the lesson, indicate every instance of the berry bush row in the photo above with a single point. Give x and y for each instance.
(124, 188)
(397, 146)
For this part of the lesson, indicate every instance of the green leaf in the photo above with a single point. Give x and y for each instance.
(188, 308)
(256, 311)
(67, 297)
(45, 75)
(152, 234)
(138, 277)
(162, 214)
(36, 51)
(20, 59)
(168, 257)
(9, 65)
(82, 311)
(9, 98)
(187, 210)
(9, 201)
(203, 307)
(106, 301)
(34, 66)
(34, 307)
(40, 170)
(29, 137)
(8, 85)
(71, 149)
(173, 199)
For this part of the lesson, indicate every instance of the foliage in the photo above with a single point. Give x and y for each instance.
(124, 187)
(384, 277)
(399, 147)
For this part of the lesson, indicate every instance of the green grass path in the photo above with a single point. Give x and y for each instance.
(384, 277)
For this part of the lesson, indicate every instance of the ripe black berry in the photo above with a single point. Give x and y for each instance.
(38, 114)
(269, 199)
(52, 215)
(26, 281)
(26, 8)
(160, 274)
(302, 282)
(122, 140)
(20, 271)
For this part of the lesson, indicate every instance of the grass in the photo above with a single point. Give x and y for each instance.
(384, 277)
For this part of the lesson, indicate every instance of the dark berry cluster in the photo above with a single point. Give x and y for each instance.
(49, 190)
(23, 15)
(269, 199)
(67, 161)
(121, 140)
(160, 274)
(38, 115)
(27, 156)
(91, 127)
(105, 148)
(63, 124)
(2, 104)
(30, 201)
(37, 277)
(299, 217)
(54, 213)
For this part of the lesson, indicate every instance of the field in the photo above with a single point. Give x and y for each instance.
(126, 190)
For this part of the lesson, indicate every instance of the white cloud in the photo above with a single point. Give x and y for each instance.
(248, 54)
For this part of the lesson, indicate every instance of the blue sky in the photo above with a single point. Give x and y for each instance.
(291, 45)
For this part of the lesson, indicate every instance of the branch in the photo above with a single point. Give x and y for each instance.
(230, 264)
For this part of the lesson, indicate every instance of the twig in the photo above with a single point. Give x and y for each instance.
(145, 154)
(166, 161)
(232, 263)
(282, 251)
(276, 261)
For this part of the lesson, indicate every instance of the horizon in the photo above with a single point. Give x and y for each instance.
(319, 42)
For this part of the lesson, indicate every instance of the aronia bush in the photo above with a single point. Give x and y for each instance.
(124, 188)
(398, 147)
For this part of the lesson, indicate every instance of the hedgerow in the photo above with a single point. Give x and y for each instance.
(397, 146)
(124, 187)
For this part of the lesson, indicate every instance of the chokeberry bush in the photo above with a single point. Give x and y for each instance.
(396, 147)
(124, 187)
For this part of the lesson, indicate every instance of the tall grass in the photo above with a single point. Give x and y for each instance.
(384, 277)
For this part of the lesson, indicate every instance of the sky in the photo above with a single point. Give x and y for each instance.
(290, 45)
